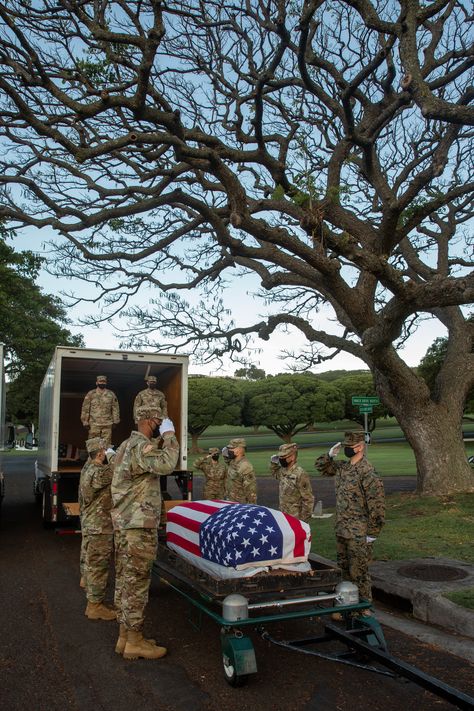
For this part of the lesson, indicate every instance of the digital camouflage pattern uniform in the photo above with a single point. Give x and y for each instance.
(100, 411)
(151, 398)
(360, 512)
(95, 503)
(241, 485)
(295, 492)
(215, 474)
(136, 508)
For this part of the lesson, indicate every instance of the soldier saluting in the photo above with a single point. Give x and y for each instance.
(100, 411)
(296, 495)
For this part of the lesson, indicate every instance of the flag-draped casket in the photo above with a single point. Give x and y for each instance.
(234, 540)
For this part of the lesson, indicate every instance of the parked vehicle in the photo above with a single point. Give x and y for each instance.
(61, 443)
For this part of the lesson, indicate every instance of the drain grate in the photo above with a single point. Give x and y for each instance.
(432, 572)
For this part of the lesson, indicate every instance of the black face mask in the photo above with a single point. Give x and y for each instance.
(102, 386)
(230, 454)
(152, 386)
(215, 457)
(283, 462)
(349, 452)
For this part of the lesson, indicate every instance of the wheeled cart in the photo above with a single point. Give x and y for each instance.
(244, 605)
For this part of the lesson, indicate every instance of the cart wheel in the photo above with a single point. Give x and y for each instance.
(230, 675)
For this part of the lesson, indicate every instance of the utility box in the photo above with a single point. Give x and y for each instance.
(70, 376)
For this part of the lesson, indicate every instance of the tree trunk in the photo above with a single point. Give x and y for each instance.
(433, 429)
(194, 442)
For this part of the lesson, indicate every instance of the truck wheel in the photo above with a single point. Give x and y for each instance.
(46, 506)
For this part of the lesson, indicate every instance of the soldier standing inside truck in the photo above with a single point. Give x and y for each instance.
(214, 474)
(151, 397)
(100, 411)
(136, 509)
(95, 502)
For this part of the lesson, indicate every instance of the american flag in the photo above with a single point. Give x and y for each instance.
(238, 535)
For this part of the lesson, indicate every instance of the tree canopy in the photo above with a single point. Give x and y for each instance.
(361, 384)
(287, 404)
(212, 401)
(430, 368)
(320, 145)
(32, 325)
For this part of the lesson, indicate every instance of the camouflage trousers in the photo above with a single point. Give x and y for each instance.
(98, 552)
(353, 557)
(135, 551)
(213, 490)
(103, 431)
(82, 557)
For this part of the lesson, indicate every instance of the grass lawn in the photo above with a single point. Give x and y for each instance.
(394, 459)
(465, 598)
(416, 527)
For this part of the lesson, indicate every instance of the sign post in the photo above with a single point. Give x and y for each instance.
(365, 404)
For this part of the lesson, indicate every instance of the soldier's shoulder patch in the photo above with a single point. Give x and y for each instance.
(148, 448)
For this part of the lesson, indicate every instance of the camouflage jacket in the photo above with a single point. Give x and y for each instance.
(100, 408)
(241, 483)
(95, 499)
(150, 398)
(296, 495)
(360, 498)
(215, 474)
(136, 494)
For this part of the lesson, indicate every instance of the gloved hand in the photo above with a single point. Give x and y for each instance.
(370, 539)
(334, 451)
(166, 426)
(110, 451)
(275, 459)
(225, 451)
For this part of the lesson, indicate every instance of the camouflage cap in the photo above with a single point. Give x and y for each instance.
(146, 412)
(351, 438)
(101, 379)
(151, 379)
(94, 444)
(214, 450)
(288, 448)
(237, 442)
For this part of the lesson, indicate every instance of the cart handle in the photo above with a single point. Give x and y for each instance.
(293, 601)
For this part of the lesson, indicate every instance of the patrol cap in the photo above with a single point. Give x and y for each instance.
(101, 379)
(288, 448)
(214, 450)
(351, 438)
(145, 412)
(151, 379)
(94, 444)
(237, 442)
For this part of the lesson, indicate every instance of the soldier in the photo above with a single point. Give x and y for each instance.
(100, 411)
(360, 509)
(296, 496)
(95, 503)
(136, 508)
(214, 474)
(151, 397)
(241, 481)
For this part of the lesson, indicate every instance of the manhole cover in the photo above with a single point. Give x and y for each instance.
(427, 571)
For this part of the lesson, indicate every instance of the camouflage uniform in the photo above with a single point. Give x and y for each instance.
(100, 410)
(360, 512)
(241, 483)
(295, 492)
(214, 474)
(151, 398)
(95, 503)
(136, 508)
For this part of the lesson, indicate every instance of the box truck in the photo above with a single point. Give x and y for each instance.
(61, 435)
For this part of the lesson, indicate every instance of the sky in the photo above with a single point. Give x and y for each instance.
(245, 309)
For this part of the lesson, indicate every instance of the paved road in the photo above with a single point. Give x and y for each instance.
(53, 659)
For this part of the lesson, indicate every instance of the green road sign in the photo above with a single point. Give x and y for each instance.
(366, 408)
(362, 400)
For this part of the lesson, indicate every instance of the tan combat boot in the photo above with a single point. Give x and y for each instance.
(82, 582)
(122, 640)
(98, 611)
(137, 647)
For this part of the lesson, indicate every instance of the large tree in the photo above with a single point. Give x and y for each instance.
(32, 324)
(321, 145)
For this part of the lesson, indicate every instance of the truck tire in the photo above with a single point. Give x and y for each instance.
(46, 506)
